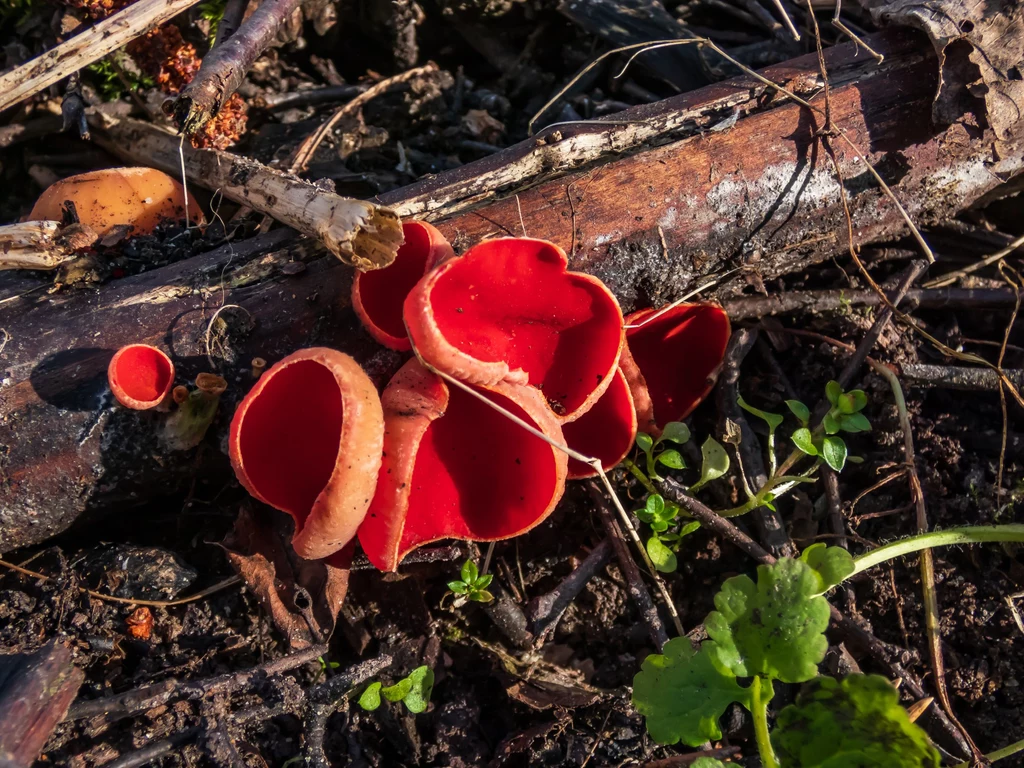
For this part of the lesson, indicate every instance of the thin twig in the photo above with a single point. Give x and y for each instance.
(951, 277)
(545, 610)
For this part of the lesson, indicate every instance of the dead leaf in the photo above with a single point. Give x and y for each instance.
(303, 597)
(981, 54)
(482, 126)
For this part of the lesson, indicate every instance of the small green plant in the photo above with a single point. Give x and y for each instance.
(774, 630)
(675, 432)
(471, 587)
(413, 691)
(844, 415)
(113, 77)
(212, 11)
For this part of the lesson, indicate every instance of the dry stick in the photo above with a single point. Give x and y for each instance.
(234, 11)
(308, 147)
(770, 523)
(224, 68)
(1011, 277)
(34, 245)
(848, 627)
(101, 39)
(590, 460)
(956, 377)
(951, 277)
(229, 582)
(678, 761)
(545, 611)
(817, 302)
(634, 584)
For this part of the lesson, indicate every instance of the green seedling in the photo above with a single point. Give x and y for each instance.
(471, 587)
(844, 415)
(212, 11)
(413, 691)
(116, 76)
(675, 432)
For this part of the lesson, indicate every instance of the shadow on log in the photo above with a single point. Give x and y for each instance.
(669, 193)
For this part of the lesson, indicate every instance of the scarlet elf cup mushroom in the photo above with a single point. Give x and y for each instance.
(140, 376)
(455, 468)
(308, 439)
(508, 310)
(605, 432)
(672, 359)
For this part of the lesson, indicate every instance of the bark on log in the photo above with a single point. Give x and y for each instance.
(650, 204)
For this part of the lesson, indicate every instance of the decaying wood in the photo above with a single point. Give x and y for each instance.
(35, 693)
(102, 39)
(651, 203)
(37, 245)
(359, 233)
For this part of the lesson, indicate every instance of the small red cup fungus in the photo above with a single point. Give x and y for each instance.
(672, 359)
(605, 432)
(140, 376)
(508, 310)
(378, 294)
(307, 440)
(456, 468)
(137, 198)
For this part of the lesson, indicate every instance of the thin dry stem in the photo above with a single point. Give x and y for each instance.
(951, 277)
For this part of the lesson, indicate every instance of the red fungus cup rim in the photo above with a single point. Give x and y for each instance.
(140, 376)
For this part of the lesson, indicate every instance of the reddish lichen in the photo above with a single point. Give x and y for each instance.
(456, 468)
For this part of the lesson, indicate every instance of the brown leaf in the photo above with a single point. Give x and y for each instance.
(303, 597)
(981, 50)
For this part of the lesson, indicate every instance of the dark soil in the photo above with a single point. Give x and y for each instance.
(566, 704)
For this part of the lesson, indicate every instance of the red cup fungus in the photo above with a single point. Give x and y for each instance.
(377, 295)
(605, 432)
(456, 468)
(137, 198)
(509, 311)
(140, 376)
(307, 440)
(672, 360)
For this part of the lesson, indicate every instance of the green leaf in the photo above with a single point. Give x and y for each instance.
(644, 442)
(774, 627)
(832, 391)
(802, 439)
(832, 564)
(689, 528)
(659, 525)
(773, 419)
(672, 459)
(854, 422)
(707, 762)
(855, 459)
(370, 698)
(458, 587)
(655, 506)
(801, 411)
(848, 724)
(481, 596)
(483, 582)
(676, 432)
(859, 398)
(682, 694)
(421, 683)
(664, 559)
(398, 691)
(833, 450)
(830, 423)
(715, 462)
(469, 572)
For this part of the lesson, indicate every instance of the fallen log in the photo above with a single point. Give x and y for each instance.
(651, 201)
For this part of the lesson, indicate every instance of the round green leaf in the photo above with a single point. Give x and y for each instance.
(833, 390)
(775, 627)
(676, 432)
(370, 698)
(683, 694)
(469, 572)
(802, 439)
(664, 559)
(483, 582)
(859, 398)
(854, 422)
(655, 505)
(832, 564)
(421, 683)
(833, 450)
(398, 691)
(644, 442)
(458, 587)
(672, 459)
(853, 723)
(830, 423)
(773, 419)
(715, 461)
(707, 762)
(801, 411)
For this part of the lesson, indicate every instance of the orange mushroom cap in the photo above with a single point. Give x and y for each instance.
(140, 198)
(456, 468)
(140, 376)
(307, 440)
(672, 359)
(378, 294)
(605, 432)
(509, 310)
